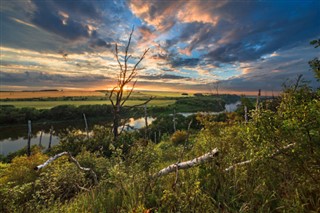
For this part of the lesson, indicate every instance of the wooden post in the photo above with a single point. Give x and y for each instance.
(146, 122)
(29, 138)
(245, 114)
(86, 124)
(155, 137)
(50, 139)
(258, 100)
(40, 139)
(174, 120)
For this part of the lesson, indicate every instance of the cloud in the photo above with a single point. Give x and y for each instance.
(165, 76)
(72, 20)
(99, 43)
(185, 62)
(161, 15)
(41, 77)
(232, 31)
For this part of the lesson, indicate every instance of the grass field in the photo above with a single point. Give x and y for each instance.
(161, 98)
(50, 104)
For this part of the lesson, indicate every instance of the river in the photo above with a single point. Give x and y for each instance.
(14, 138)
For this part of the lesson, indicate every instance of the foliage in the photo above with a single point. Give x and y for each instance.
(13, 115)
(199, 103)
(17, 181)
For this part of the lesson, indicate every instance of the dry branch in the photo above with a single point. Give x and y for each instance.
(279, 151)
(73, 160)
(187, 164)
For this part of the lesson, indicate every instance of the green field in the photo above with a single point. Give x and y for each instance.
(50, 104)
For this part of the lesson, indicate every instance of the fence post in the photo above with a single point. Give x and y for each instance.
(50, 139)
(40, 139)
(174, 120)
(146, 122)
(86, 124)
(29, 138)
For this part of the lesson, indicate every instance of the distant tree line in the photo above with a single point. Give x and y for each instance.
(12, 115)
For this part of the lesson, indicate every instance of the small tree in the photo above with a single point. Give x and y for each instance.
(127, 74)
(315, 63)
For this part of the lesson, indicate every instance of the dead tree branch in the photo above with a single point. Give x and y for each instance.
(73, 160)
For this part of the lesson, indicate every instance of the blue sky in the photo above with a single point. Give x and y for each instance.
(194, 45)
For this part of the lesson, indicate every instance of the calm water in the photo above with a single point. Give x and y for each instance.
(229, 108)
(14, 138)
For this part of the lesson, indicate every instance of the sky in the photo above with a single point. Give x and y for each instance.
(237, 46)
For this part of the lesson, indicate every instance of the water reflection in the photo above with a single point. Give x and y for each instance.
(15, 137)
(228, 108)
(12, 145)
(139, 123)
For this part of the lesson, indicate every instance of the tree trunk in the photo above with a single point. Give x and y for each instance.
(116, 125)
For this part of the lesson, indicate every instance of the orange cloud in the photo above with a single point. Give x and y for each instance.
(163, 14)
(200, 11)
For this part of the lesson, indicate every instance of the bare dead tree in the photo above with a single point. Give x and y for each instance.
(127, 75)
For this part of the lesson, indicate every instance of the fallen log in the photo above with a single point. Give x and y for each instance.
(73, 160)
(187, 164)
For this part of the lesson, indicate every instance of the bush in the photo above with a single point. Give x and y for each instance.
(179, 137)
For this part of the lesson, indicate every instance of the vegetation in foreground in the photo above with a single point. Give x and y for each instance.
(285, 182)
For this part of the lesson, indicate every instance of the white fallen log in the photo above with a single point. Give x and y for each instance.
(72, 159)
(187, 164)
(270, 156)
